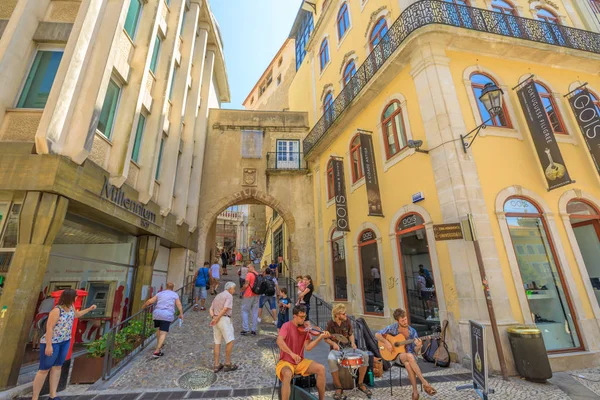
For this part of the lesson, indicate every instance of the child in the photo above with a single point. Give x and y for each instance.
(301, 288)
(284, 305)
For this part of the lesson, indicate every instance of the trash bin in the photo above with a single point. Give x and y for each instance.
(529, 353)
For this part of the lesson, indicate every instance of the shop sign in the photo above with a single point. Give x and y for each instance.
(447, 231)
(341, 205)
(370, 169)
(544, 141)
(588, 119)
(367, 236)
(117, 196)
(479, 367)
(408, 222)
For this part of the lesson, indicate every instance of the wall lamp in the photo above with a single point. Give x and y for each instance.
(416, 144)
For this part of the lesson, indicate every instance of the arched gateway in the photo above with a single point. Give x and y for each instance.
(254, 157)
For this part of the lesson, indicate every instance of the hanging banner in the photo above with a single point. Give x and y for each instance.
(339, 186)
(540, 128)
(588, 119)
(370, 169)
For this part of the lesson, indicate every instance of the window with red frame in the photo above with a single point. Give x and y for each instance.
(330, 187)
(349, 72)
(394, 134)
(554, 116)
(548, 16)
(327, 105)
(478, 81)
(355, 159)
(504, 7)
(324, 53)
(378, 32)
(343, 20)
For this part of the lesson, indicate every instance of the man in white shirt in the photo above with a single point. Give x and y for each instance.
(220, 311)
(376, 279)
(215, 274)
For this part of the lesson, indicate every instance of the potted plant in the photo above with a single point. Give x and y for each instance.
(88, 368)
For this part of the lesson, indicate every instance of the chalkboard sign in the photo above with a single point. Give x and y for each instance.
(479, 358)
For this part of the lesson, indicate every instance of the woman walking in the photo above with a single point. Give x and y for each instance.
(56, 342)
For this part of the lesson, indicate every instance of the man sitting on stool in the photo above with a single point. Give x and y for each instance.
(341, 325)
(292, 340)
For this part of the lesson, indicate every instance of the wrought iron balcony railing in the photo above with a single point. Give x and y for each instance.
(427, 12)
(286, 161)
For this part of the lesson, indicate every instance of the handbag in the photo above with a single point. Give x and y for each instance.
(377, 367)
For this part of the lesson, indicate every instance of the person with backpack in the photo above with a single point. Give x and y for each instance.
(425, 285)
(269, 294)
(250, 300)
(201, 284)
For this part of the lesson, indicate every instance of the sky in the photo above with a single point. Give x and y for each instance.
(252, 31)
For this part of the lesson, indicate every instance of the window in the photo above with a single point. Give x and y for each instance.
(133, 17)
(338, 255)
(548, 16)
(139, 133)
(349, 71)
(460, 16)
(327, 106)
(168, 2)
(40, 79)
(478, 81)
(509, 25)
(379, 31)
(155, 53)
(288, 154)
(279, 80)
(544, 285)
(324, 53)
(595, 101)
(551, 109)
(8, 237)
(173, 76)
(279, 62)
(160, 155)
(252, 100)
(503, 7)
(330, 184)
(343, 20)
(270, 79)
(373, 301)
(356, 160)
(394, 134)
(302, 37)
(109, 109)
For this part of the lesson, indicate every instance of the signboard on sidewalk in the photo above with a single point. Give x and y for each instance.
(479, 366)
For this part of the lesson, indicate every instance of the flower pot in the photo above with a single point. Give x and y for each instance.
(87, 369)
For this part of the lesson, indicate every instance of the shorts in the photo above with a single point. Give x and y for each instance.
(299, 369)
(426, 295)
(267, 299)
(200, 292)
(282, 318)
(58, 357)
(223, 331)
(162, 326)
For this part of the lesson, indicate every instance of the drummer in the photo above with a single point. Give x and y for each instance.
(342, 335)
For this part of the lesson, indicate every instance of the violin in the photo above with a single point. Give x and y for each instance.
(307, 327)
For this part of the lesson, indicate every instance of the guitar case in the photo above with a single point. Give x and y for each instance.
(436, 350)
(371, 342)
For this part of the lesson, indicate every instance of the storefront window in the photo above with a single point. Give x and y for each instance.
(338, 254)
(585, 221)
(415, 266)
(371, 273)
(548, 299)
(11, 228)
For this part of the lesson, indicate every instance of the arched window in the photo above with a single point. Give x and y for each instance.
(328, 105)
(394, 134)
(349, 71)
(545, 288)
(324, 53)
(378, 32)
(478, 81)
(373, 302)
(330, 184)
(548, 16)
(340, 276)
(585, 221)
(415, 267)
(595, 100)
(343, 20)
(551, 109)
(509, 25)
(504, 7)
(355, 159)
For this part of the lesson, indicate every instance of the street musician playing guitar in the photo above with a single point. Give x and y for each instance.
(407, 359)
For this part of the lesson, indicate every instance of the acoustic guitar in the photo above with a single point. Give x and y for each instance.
(399, 343)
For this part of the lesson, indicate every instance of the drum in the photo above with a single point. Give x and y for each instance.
(351, 360)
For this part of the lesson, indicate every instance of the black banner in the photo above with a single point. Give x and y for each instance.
(540, 128)
(478, 356)
(588, 119)
(370, 169)
(341, 205)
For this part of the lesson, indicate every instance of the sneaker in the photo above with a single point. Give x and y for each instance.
(244, 333)
(202, 308)
(253, 333)
(258, 319)
(159, 354)
(275, 323)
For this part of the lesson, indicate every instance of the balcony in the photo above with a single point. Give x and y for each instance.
(286, 161)
(231, 215)
(428, 12)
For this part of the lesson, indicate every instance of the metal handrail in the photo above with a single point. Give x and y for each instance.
(286, 160)
(115, 361)
(427, 12)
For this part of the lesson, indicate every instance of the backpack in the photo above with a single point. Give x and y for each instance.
(428, 281)
(258, 286)
(268, 288)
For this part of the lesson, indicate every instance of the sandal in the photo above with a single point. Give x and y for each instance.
(363, 388)
(415, 396)
(429, 390)
(231, 367)
(340, 395)
(217, 368)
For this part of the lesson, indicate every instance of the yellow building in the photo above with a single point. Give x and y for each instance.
(408, 75)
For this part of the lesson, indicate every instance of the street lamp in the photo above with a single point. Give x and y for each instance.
(491, 97)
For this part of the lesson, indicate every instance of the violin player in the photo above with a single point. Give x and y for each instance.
(293, 339)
